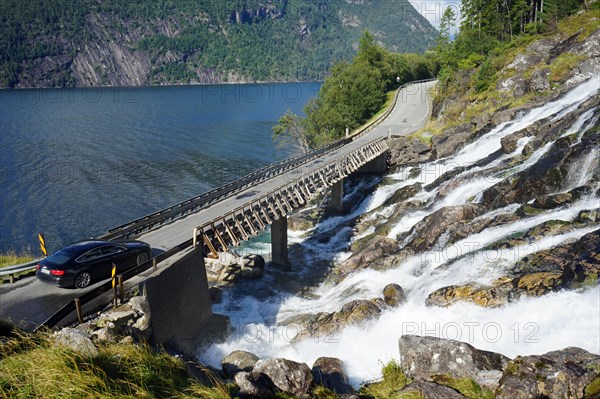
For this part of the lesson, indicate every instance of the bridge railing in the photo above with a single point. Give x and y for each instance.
(368, 152)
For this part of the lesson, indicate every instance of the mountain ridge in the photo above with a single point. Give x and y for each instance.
(85, 43)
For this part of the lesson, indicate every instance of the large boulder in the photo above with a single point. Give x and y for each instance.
(428, 231)
(428, 357)
(431, 390)
(405, 150)
(289, 376)
(497, 295)
(451, 141)
(326, 324)
(393, 295)
(255, 385)
(238, 361)
(329, 372)
(76, 340)
(565, 374)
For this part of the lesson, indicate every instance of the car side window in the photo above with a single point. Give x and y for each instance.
(111, 249)
(90, 255)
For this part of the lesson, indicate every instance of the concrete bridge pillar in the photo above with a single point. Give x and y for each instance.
(337, 197)
(279, 243)
(377, 165)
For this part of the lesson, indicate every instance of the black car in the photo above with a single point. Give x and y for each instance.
(83, 262)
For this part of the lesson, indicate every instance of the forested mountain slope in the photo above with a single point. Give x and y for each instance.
(50, 43)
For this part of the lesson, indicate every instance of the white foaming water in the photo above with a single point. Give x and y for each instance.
(582, 171)
(523, 327)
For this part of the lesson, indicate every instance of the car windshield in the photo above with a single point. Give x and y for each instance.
(60, 257)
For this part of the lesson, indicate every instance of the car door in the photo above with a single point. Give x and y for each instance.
(96, 263)
(117, 255)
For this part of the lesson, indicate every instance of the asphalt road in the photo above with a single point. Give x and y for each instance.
(29, 302)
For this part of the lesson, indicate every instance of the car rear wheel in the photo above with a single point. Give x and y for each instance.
(142, 258)
(83, 279)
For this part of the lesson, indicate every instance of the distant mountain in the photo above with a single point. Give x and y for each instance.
(55, 43)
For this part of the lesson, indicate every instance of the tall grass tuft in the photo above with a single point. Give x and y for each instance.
(32, 366)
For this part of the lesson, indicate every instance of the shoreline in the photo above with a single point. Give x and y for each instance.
(8, 89)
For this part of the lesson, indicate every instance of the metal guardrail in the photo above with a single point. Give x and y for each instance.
(186, 207)
(21, 267)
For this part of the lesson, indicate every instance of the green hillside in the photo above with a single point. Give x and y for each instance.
(48, 43)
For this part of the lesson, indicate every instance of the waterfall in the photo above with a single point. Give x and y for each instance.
(520, 327)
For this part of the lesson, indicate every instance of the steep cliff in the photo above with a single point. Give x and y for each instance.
(53, 43)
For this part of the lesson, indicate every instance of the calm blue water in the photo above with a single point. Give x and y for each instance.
(76, 162)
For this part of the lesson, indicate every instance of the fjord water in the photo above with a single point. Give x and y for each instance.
(76, 162)
(527, 326)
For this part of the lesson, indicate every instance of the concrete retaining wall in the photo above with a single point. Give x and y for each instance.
(180, 307)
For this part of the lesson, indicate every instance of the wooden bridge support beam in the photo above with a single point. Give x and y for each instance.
(279, 243)
(336, 203)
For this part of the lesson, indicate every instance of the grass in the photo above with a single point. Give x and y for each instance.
(11, 258)
(562, 66)
(32, 367)
(466, 386)
(393, 381)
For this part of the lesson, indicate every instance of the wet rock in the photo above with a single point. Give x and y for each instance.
(451, 141)
(428, 357)
(428, 231)
(327, 324)
(564, 374)
(549, 174)
(393, 295)
(509, 143)
(255, 385)
(490, 297)
(299, 222)
(431, 390)
(329, 372)
(370, 256)
(287, 375)
(403, 194)
(216, 295)
(76, 340)
(253, 262)
(238, 361)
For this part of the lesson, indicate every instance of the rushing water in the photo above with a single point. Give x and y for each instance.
(76, 162)
(522, 327)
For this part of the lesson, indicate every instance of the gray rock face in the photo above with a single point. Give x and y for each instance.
(329, 372)
(394, 295)
(427, 357)
(452, 140)
(76, 340)
(255, 385)
(431, 390)
(564, 374)
(429, 230)
(238, 361)
(287, 375)
(405, 151)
